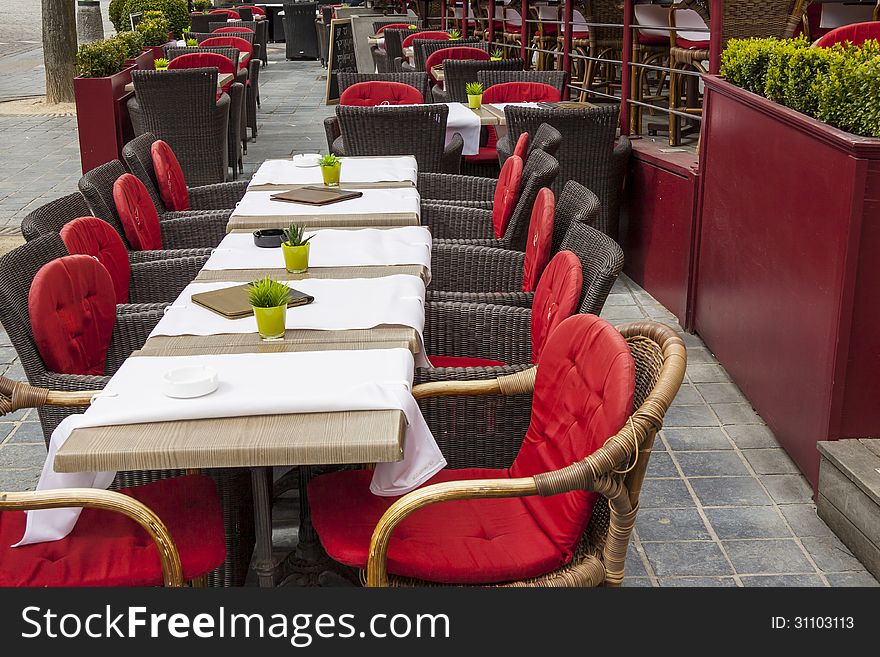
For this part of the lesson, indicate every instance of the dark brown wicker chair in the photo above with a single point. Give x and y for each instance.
(384, 58)
(415, 79)
(199, 229)
(52, 216)
(422, 48)
(418, 131)
(181, 107)
(546, 138)
(261, 32)
(588, 153)
(458, 72)
(556, 79)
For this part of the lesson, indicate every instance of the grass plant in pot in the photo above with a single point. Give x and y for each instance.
(161, 64)
(497, 55)
(331, 168)
(454, 35)
(474, 92)
(269, 300)
(296, 249)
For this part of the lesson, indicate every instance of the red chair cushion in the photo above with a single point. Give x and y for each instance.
(205, 60)
(229, 13)
(653, 39)
(583, 395)
(581, 35)
(256, 11)
(242, 45)
(457, 52)
(108, 549)
(169, 176)
(691, 45)
(521, 92)
(539, 239)
(72, 308)
(370, 94)
(507, 191)
(487, 153)
(431, 36)
(463, 361)
(393, 26)
(522, 145)
(137, 213)
(856, 34)
(94, 237)
(556, 298)
(461, 542)
(224, 30)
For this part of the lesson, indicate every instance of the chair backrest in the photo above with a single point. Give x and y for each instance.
(96, 186)
(231, 54)
(137, 213)
(94, 237)
(379, 28)
(419, 131)
(257, 11)
(234, 26)
(394, 37)
(856, 34)
(458, 72)
(229, 41)
(490, 77)
(245, 13)
(521, 149)
(138, 157)
(225, 30)
(458, 52)
(204, 36)
(540, 170)
(584, 392)
(72, 309)
(228, 12)
(169, 177)
(768, 18)
(52, 216)
(507, 192)
(201, 22)
(370, 94)
(435, 35)
(202, 60)
(605, 13)
(416, 79)
(521, 92)
(576, 204)
(540, 239)
(546, 138)
(556, 298)
(423, 49)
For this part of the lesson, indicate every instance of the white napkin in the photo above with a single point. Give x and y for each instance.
(466, 123)
(354, 170)
(407, 245)
(252, 384)
(373, 201)
(354, 303)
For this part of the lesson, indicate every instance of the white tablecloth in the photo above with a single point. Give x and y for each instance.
(465, 122)
(355, 170)
(408, 245)
(252, 384)
(373, 201)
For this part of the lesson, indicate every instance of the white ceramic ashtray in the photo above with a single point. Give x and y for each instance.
(189, 382)
(306, 159)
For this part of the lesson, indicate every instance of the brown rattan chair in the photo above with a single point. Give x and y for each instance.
(261, 35)
(419, 131)
(650, 47)
(415, 79)
(393, 56)
(556, 79)
(181, 107)
(52, 216)
(458, 72)
(606, 44)
(588, 153)
(422, 49)
(546, 138)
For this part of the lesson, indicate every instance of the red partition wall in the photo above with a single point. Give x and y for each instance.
(788, 273)
(102, 118)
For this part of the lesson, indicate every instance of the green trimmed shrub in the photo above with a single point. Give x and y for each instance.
(803, 78)
(849, 90)
(131, 43)
(202, 5)
(776, 74)
(117, 17)
(154, 31)
(99, 59)
(744, 62)
(175, 11)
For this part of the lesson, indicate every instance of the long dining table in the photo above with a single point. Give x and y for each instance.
(262, 442)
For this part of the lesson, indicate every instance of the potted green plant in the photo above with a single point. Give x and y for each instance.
(412, 27)
(269, 300)
(154, 31)
(296, 249)
(202, 5)
(497, 55)
(474, 92)
(192, 43)
(161, 64)
(331, 168)
(454, 35)
(132, 46)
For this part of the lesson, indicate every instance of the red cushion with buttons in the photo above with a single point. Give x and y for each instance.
(370, 94)
(556, 298)
(522, 146)
(432, 36)
(539, 239)
(109, 549)
(242, 45)
(457, 52)
(521, 92)
(230, 14)
(169, 176)
(507, 191)
(393, 26)
(95, 237)
(204, 60)
(137, 213)
(256, 11)
(226, 30)
(463, 361)
(72, 308)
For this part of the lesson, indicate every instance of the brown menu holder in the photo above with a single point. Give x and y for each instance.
(314, 195)
(232, 302)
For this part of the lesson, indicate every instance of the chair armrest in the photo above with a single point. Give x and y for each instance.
(219, 196)
(404, 65)
(485, 205)
(479, 331)
(518, 299)
(165, 254)
(453, 187)
(439, 94)
(331, 129)
(130, 333)
(159, 281)
(451, 160)
(504, 149)
(196, 231)
(460, 223)
(457, 267)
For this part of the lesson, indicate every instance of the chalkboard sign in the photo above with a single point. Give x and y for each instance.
(342, 57)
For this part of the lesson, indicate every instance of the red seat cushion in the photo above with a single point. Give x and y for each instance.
(488, 153)
(169, 176)
(256, 11)
(539, 239)
(229, 13)
(856, 34)
(522, 145)
(463, 361)
(137, 213)
(393, 26)
(521, 92)
(428, 35)
(583, 395)
(108, 549)
(94, 237)
(225, 30)
(370, 94)
(242, 45)
(556, 298)
(691, 45)
(457, 52)
(580, 35)
(205, 60)
(72, 308)
(507, 191)
(653, 39)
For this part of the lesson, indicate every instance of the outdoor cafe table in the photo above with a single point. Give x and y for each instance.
(222, 80)
(358, 172)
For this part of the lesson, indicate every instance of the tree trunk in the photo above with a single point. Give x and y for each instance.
(59, 49)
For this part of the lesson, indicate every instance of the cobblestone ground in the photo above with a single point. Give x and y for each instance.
(723, 505)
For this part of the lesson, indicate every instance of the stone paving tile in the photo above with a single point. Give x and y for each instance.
(665, 493)
(788, 489)
(770, 461)
(719, 393)
(709, 464)
(751, 436)
(696, 439)
(748, 522)
(671, 525)
(698, 415)
(736, 413)
(697, 581)
(687, 558)
(28, 432)
(831, 555)
(707, 373)
(775, 556)
(782, 580)
(852, 579)
(661, 465)
(730, 491)
(22, 456)
(804, 521)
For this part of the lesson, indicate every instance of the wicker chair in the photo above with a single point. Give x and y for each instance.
(556, 79)
(458, 72)
(394, 49)
(650, 47)
(384, 58)
(299, 30)
(200, 229)
(52, 216)
(474, 225)
(419, 131)
(261, 35)
(587, 155)
(181, 107)
(606, 43)
(546, 138)
(415, 79)
(422, 49)
(202, 22)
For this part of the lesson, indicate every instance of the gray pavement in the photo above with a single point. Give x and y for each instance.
(723, 505)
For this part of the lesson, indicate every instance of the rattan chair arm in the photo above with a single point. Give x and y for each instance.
(501, 333)
(439, 94)
(445, 186)
(504, 149)
(15, 395)
(457, 267)
(516, 383)
(158, 281)
(451, 158)
(377, 573)
(106, 500)
(405, 66)
(483, 205)
(166, 254)
(219, 196)
(332, 130)
(517, 299)
(456, 222)
(198, 231)
(130, 333)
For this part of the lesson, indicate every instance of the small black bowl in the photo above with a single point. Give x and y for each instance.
(269, 238)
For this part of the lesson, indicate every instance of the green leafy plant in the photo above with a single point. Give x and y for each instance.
(473, 89)
(99, 59)
(174, 11)
(329, 160)
(454, 35)
(293, 235)
(160, 63)
(745, 61)
(268, 293)
(154, 31)
(202, 5)
(412, 27)
(116, 16)
(497, 53)
(192, 43)
(131, 43)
